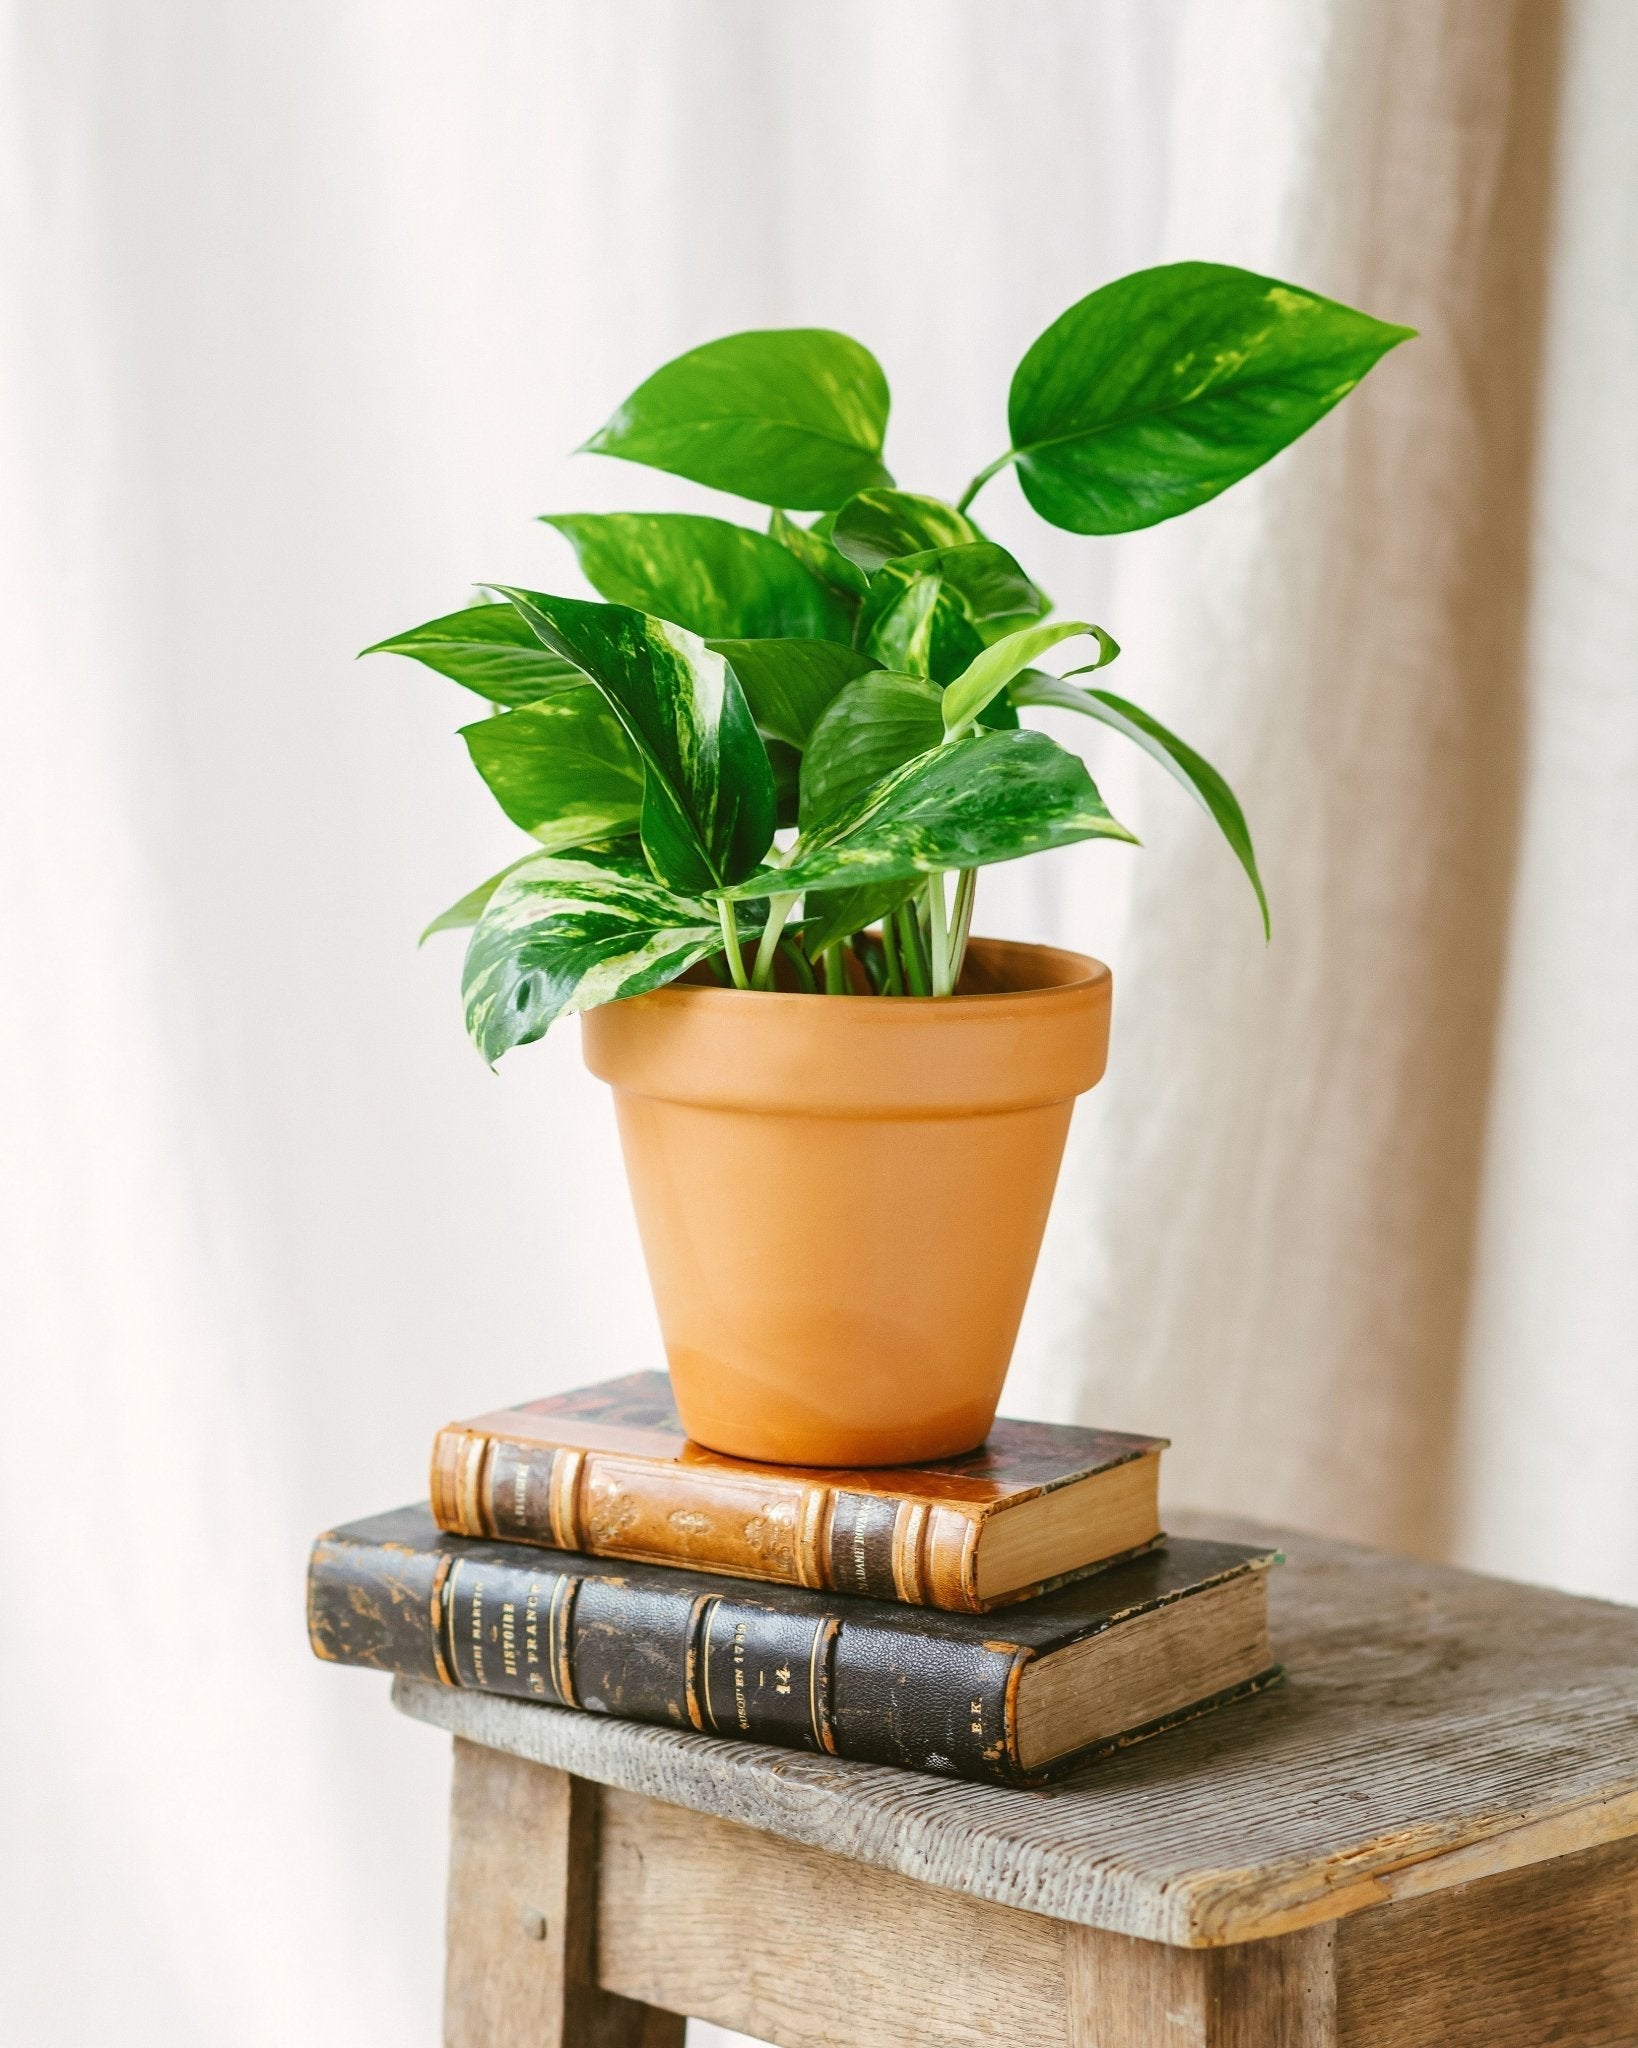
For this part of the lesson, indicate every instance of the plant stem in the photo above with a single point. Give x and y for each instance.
(983, 478)
(799, 960)
(836, 981)
(966, 889)
(779, 908)
(915, 960)
(890, 957)
(938, 934)
(730, 942)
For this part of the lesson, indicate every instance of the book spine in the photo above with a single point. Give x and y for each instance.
(679, 1658)
(789, 1531)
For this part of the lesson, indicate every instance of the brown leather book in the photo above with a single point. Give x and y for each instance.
(607, 1470)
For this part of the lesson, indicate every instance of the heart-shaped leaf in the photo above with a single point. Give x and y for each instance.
(719, 580)
(990, 798)
(1158, 391)
(788, 683)
(487, 649)
(563, 768)
(790, 416)
(872, 727)
(1196, 774)
(874, 527)
(561, 935)
(708, 789)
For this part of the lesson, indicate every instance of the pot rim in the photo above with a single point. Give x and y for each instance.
(774, 1053)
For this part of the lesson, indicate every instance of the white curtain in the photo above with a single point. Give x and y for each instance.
(301, 307)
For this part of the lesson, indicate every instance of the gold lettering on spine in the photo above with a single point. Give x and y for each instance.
(818, 1692)
(813, 1535)
(440, 1579)
(694, 1658)
(909, 1530)
(563, 1498)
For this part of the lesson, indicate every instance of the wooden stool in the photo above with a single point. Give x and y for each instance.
(1427, 1838)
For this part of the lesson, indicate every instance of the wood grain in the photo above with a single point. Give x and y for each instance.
(1435, 1726)
(1530, 1959)
(794, 1946)
(521, 1927)
(1127, 1993)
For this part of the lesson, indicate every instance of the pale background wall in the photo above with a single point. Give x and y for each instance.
(301, 306)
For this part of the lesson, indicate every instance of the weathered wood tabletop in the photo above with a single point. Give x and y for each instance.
(1435, 1728)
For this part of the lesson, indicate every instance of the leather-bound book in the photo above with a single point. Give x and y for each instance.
(1155, 1640)
(608, 1470)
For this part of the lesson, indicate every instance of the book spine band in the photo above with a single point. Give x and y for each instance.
(797, 1532)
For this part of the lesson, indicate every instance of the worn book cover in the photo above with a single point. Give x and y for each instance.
(1161, 1637)
(608, 1470)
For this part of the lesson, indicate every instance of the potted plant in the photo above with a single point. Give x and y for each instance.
(767, 770)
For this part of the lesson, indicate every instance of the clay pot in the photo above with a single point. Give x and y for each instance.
(841, 1198)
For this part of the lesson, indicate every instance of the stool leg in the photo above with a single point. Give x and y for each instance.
(521, 1937)
(1125, 1993)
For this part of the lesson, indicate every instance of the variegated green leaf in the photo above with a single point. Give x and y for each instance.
(465, 911)
(834, 914)
(819, 555)
(1156, 392)
(788, 683)
(979, 586)
(910, 626)
(880, 526)
(561, 935)
(993, 797)
(1196, 774)
(719, 580)
(487, 649)
(563, 769)
(708, 789)
(989, 673)
(872, 727)
(790, 416)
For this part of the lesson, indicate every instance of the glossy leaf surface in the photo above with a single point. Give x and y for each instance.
(790, 416)
(873, 726)
(1158, 391)
(989, 673)
(708, 789)
(487, 649)
(990, 798)
(719, 580)
(561, 935)
(788, 683)
(562, 768)
(879, 526)
(465, 911)
(838, 913)
(1196, 774)
(819, 555)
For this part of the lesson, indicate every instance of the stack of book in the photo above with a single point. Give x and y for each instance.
(580, 1552)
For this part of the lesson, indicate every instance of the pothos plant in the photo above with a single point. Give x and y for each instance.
(790, 751)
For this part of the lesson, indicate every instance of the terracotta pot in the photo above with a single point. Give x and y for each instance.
(841, 1198)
